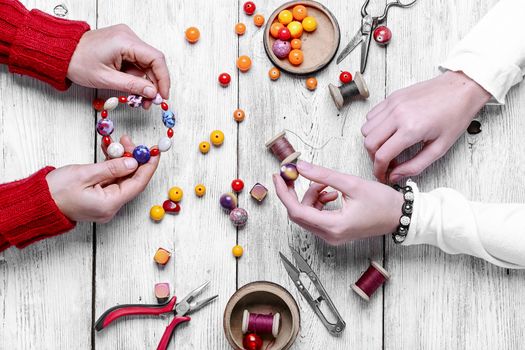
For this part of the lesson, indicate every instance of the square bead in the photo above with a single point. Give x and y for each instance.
(162, 256)
(162, 292)
(258, 192)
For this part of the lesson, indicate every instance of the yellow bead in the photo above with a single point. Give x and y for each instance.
(296, 29)
(204, 147)
(156, 213)
(200, 190)
(175, 194)
(309, 24)
(285, 17)
(237, 251)
(217, 137)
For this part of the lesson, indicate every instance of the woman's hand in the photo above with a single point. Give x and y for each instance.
(368, 208)
(96, 192)
(435, 112)
(115, 58)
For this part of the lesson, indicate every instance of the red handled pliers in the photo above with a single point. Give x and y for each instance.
(186, 306)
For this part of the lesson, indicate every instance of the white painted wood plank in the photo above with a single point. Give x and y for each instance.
(437, 301)
(287, 104)
(45, 289)
(201, 237)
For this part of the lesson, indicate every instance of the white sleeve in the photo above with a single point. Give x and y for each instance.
(493, 52)
(446, 219)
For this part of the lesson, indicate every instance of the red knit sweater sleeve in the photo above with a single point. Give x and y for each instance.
(28, 213)
(36, 44)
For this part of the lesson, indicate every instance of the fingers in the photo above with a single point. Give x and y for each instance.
(377, 138)
(108, 170)
(342, 182)
(311, 196)
(390, 149)
(147, 57)
(429, 154)
(131, 84)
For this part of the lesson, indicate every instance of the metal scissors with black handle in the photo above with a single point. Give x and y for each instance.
(364, 33)
(180, 310)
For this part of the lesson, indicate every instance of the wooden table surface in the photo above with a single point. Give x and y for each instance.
(51, 292)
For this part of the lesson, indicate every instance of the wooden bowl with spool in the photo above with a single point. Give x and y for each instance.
(319, 47)
(262, 297)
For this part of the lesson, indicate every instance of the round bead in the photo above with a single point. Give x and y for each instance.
(249, 8)
(238, 217)
(239, 115)
(311, 83)
(135, 101)
(164, 144)
(244, 63)
(402, 231)
(157, 213)
(237, 251)
(104, 114)
(170, 132)
(200, 190)
(285, 17)
(309, 24)
(409, 196)
(111, 103)
(407, 208)
(204, 147)
(141, 154)
(157, 100)
(105, 127)
(192, 35)
(171, 207)
(258, 20)
(284, 34)
(127, 155)
(98, 104)
(299, 12)
(275, 28)
(217, 137)
(123, 99)
(115, 150)
(106, 140)
(382, 35)
(345, 77)
(295, 28)
(164, 106)
(228, 201)
(252, 341)
(175, 194)
(296, 57)
(224, 79)
(168, 118)
(296, 44)
(281, 48)
(274, 73)
(237, 185)
(289, 172)
(154, 152)
(240, 28)
(404, 220)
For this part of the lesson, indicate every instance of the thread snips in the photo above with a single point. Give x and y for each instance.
(295, 274)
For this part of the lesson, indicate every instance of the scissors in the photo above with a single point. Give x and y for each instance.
(186, 306)
(364, 33)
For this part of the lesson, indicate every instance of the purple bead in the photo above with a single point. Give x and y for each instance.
(238, 217)
(135, 101)
(281, 48)
(105, 127)
(289, 172)
(141, 154)
(228, 201)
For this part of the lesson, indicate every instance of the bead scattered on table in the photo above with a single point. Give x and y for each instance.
(237, 185)
(240, 28)
(289, 172)
(239, 115)
(228, 201)
(249, 8)
(382, 35)
(244, 63)
(192, 34)
(311, 83)
(171, 207)
(274, 73)
(239, 217)
(162, 256)
(237, 251)
(224, 79)
(175, 194)
(258, 20)
(217, 137)
(156, 213)
(200, 190)
(345, 77)
(162, 292)
(258, 192)
(204, 147)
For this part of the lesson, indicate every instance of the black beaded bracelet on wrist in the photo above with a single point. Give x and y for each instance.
(404, 221)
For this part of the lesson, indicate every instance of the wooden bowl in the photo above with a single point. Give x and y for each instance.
(262, 297)
(319, 47)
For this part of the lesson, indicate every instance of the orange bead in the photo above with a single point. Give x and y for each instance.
(296, 57)
(240, 28)
(239, 115)
(244, 63)
(299, 12)
(274, 29)
(296, 44)
(274, 73)
(311, 83)
(162, 256)
(258, 20)
(192, 34)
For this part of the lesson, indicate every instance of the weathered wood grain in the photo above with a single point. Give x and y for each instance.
(45, 289)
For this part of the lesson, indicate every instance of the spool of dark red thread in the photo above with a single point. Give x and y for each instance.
(261, 323)
(282, 148)
(373, 278)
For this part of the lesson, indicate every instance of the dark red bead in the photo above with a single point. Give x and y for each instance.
(154, 152)
(123, 99)
(98, 104)
(171, 207)
(224, 79)
(127, 155)
(249, 8)
(284, 34)
(237, 185)
(382, 35)
(104, 114)
(164, 106)
(345, 77)
(170, 133)
(252, 341)
(106, 140)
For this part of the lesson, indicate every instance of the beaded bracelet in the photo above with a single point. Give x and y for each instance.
(141, 153)
(404, 221)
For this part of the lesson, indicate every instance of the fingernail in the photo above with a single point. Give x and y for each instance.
(149, 92)
(302, 165)
(395, 177)
(130, 163)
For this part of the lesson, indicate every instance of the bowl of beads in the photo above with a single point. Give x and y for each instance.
(261, 315)
(301, 37)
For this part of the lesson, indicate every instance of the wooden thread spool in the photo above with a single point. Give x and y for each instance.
(249, 327)
(282, 149)
(356, 89)
(370, 281)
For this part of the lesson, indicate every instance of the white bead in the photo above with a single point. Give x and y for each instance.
(164, 144)
(111, 103)
(115, 150)
(157, 100)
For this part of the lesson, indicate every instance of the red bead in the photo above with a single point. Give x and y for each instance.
(164, 106)
(249, 8)
(170, 133)
(104, 114)
(382, 35)
(106, 140)
(345, 77)
(224, 79)
(154, 152)
(123, 99)
(128, 155)
(252, 341)
(98, 104)
(284, 34)
(237, 185)
(171, 207)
